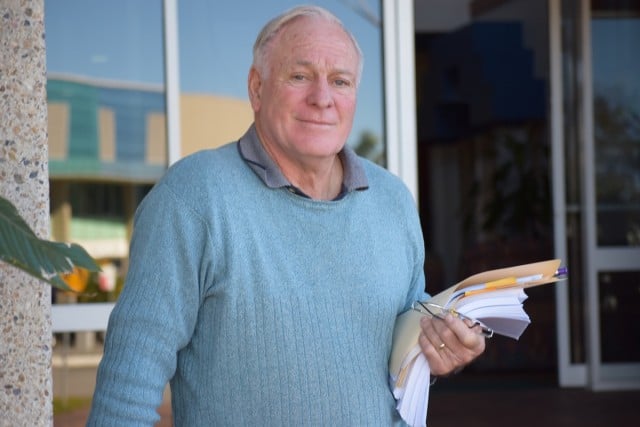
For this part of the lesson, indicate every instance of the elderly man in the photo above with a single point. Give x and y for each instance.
(266, 276)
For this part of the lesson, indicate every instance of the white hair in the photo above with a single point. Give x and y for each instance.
(273, 27)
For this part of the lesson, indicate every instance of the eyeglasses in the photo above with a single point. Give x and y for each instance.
(440, 312)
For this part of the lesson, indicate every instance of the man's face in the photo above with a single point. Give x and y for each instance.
(305, 104)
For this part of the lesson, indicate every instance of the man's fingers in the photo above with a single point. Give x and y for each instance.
(449, 343)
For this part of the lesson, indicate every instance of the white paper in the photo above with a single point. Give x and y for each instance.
(412, 397)
(501, 310)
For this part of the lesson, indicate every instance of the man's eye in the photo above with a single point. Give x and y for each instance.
(342, 83)
(298, 77)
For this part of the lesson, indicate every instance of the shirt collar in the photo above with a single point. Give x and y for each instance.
(253, 153)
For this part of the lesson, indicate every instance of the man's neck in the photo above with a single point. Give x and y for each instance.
(322, 183)
(320, 180)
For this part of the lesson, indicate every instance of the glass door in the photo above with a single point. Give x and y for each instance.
(597, 161)
(612, 178)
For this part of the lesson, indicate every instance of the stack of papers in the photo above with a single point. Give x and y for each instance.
(493, 299)
(412, 392)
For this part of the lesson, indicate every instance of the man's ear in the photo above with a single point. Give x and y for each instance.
(255, 86)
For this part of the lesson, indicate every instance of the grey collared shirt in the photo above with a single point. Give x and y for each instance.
(253, 152)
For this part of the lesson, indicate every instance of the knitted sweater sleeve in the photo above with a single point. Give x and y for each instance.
(155, 314)
(417, 291)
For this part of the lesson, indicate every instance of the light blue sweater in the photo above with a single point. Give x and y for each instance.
(261, 307)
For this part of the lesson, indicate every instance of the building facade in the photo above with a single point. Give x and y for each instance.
(514, 123)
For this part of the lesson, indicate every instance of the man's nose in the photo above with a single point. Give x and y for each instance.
(321, 94)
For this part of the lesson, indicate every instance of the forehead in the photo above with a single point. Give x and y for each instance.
(313, 40)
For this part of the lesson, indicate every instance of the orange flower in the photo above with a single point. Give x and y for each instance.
(77, 279)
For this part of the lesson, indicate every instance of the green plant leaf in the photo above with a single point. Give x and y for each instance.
(43, 259)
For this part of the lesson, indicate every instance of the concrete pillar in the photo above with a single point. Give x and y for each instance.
(25, 303)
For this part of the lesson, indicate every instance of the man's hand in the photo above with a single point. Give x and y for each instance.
(449, 343)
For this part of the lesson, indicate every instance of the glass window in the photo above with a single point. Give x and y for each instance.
(616, 105)
(484, 154)
(105, 90)
(216, 41)
(106, 111)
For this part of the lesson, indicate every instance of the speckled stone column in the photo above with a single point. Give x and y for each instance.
(25, 303)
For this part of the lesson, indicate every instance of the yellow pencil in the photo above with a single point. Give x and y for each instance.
(494, 284)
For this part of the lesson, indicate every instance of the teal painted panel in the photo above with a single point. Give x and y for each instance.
(97, 228)
(83, 111)
(120, 171)
(131, 107)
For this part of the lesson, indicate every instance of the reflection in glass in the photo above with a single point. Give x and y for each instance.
(617, 128)
(106, 119)
(216, 42)
(484, 154)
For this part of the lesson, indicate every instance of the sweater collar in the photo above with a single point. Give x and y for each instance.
(253, 153)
